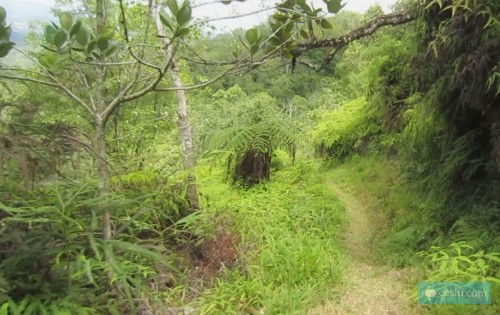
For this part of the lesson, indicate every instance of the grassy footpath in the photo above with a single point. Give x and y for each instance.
(404, 238)
(368, 287)
(391, 204)
(289, 253)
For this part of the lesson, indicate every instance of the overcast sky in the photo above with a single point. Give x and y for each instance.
(20, 10)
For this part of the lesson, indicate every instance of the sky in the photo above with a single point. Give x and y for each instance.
(21, 11)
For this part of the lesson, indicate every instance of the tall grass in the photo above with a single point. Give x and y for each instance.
(289, 245)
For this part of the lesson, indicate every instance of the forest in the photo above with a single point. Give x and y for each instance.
(322, 162)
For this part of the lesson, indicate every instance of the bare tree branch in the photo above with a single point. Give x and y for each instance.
(72, 95)
(85, 82)
(27, 71)
(117, 100)
(104, 64)
(14, 77)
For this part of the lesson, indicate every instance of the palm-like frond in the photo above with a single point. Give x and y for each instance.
(262, 137)
(251, 147)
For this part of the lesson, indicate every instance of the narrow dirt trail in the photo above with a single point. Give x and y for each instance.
(368, 288)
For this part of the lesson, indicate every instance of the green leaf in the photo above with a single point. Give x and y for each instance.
(184, 14)
(236, 51)
(110, 51)
(5, 33)
(252, 36)
(93, 221)
(91, 46)
(226, 2)
(4, 310)
(34, 307)
(166, 20)
(304, 34)
(83, 36)
(60, 38)
(3, 14)
(285, 36)
(49, 33)
(5, 48)
(244, 44)
(48, 60)
(94, 246)
(102, 43)
(254, 49)
(142, 251)
(289, 27)
(14, 307)
(281, 17)
(172, 5)
(325, 24)
(275, 41)
(66, 20)
(334, 6)
(181, 32)
(75, 29)
(304, 6)
(107, 33)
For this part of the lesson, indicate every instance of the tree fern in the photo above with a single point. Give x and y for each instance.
(249, 149)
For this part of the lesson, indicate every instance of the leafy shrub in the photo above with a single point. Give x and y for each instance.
(344, 131)
(461, 262)
(53, 260)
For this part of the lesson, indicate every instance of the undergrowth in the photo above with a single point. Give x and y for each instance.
(461, 262)
(53, 260)
(289, 254)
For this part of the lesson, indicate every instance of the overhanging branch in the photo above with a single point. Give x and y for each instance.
(366, 30)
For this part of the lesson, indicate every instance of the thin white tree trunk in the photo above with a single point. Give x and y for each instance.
(100, 125)
(102, 167)
(189, 155)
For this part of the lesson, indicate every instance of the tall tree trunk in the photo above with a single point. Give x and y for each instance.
(102, 167)
(100, 125)
(189, 155)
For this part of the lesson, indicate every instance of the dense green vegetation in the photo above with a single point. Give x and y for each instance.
(425, 145)
(110, 205)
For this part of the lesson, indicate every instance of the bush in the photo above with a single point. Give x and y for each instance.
(461, 262)
(54, 261)
(344, 131)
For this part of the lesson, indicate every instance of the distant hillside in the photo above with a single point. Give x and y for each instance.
(18, 38)
(20, 13)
